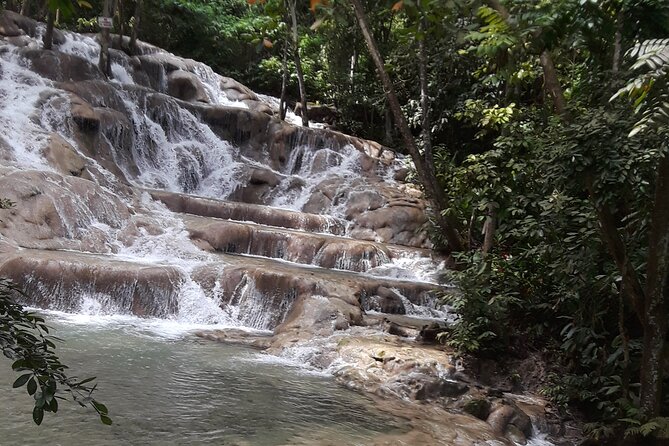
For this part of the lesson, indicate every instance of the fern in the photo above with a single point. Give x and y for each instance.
(658, 427)
(649, 91)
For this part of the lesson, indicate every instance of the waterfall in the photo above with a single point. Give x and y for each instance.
(126, 137)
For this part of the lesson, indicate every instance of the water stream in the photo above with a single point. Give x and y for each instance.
(164, 386)
(117, 247)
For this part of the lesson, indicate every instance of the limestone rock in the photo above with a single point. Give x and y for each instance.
(236, 91)
(52, 279)
(437, 388)
(8, 27)
(186, 86)
(63, 157)
(504, 415)
(60, 67)
(13, 24)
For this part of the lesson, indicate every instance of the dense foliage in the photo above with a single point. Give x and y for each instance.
(552, 181)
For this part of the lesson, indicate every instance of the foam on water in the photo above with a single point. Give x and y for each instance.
(20, 92)
(410, 267)
(165, 328)
(301, 164)
(173, 150)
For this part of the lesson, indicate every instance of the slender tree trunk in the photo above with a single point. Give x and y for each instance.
(427, 178)
(387, 126)
(657, 291)
(624, 341)
(351, 73)
(105, 63)
(121, 24)
(135, 26)
(426, 123)
(552, 83)
(489, 228)
(614, 242)
(298, 64)
(617, 43)
(47, 39)
(284, 80)
(25, 7)
(10, 5)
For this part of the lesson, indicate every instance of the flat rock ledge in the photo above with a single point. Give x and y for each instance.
(411, 379)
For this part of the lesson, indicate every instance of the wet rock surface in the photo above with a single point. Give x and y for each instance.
(173, 192)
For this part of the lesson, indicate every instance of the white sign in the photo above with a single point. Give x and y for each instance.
(105, 22)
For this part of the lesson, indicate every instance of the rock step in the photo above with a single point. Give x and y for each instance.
(244, 212)
(259, 293)
(324, 250)
(65, 280)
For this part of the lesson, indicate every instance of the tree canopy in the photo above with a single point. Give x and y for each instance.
(549, 189)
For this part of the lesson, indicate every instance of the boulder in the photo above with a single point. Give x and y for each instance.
(385, 301)
(476, 406)
(56, 212)
(429, 334)
(60, 67)
(438, 388)
(63, 157)
(13, 24)
(186, 86)
(8, 27)
(236, 91)
(259, 106)
(506, 414)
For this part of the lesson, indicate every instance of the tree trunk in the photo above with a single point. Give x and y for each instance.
(121, 25)
(617, 43)
(284, 80)
(298, 64)
(551, 81)
(489, 228)
(10, 5)
(552, 84)
(105, 63)
(351, 73)
(135, 26)
(25, 7)
(427, 178)
(387, 126)
(657, 290)
(47, 39)
(426, 123)
(614, 242)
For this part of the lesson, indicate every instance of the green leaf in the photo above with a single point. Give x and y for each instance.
(101, 408)
(38, 415)
(32, 386)
(21, 380)
(106, 420)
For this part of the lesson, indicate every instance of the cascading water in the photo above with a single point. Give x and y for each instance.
(103, 248)
(170, 149)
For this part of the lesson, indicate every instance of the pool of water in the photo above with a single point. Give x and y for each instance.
(164, 386)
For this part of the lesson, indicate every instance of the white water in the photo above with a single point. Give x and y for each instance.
(174, 151)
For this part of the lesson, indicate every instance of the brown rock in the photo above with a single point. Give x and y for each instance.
(60, 67)
(63, 157)
(61, 280)
(186, 86)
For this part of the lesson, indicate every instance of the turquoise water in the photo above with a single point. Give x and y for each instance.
(164, 386)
